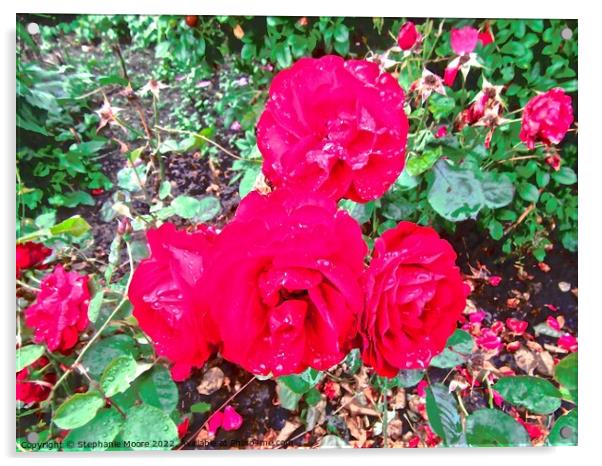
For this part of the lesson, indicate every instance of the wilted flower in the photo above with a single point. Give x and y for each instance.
(426, 85)
(154, 87)
(463, 42)
(108, 115)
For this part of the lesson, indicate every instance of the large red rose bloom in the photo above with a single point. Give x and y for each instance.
(414, 297)
(334, 126)
(547, 118)
(284, 284)
(60, 311)
(162, 295)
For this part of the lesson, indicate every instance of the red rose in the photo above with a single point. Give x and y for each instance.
(60, 311)
(162, 295)
(32, 391)
(414, 298)
(546, 118)
(408, 36)
(284, 283)
(30, 255)
(334, 126)
(464, 40)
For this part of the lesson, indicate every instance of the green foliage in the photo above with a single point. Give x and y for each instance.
(534, 393)
(442, 410)
(458, 348)
(78, 410)
(492, 428)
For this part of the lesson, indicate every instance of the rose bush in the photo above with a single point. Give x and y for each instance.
(283, 286)
(162, 295)
(414, 298)
(60, 311)
(334, 126)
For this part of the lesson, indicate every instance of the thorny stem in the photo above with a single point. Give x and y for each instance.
(117, 51)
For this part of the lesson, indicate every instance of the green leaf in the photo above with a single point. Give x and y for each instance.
(536, 394)
(566, 373)
(95, 305)
(127, 179)
(362, 213)
(149, 428)
(341, 33)
(248, 180)
(71, 199)
(201, 210)
(75, 226)
(441, 106)
(104, 351)
(493, 428)
(498, 190)
(158, 389)
(302, 383)
(118, 375)
(27, 355)
(565, 175)
(455, 194)
(528, 192)
(409, 377)
(565, 430)
(457, 350)
(200, 407)
(164, 190)
(419, 163)
(96, 434)
(78, 410)
(288, 398)
(209, 208)
(185, 206)
(442, 410)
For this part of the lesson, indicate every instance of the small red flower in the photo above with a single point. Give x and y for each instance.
(546, 118)
(31, 391)
(30, 255)
(464, 40)
(60, 311)
(554, 161)
(408, 36)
